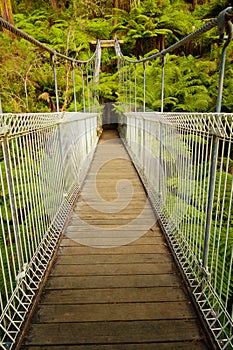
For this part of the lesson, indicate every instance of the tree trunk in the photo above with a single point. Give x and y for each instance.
(162, 42)
(194, 4)
(115, 6)
(92, 10)
(55, 4)
(6, 10)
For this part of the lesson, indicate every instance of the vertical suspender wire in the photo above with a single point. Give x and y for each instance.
(163, 83)
(161, 127)
(88, 89)
(92, 86)
(124, 84)
(123, 81)
(144, 87)
(135, 88)
(96, 74)
(129, 87)
(55, 80)
(125, 73)
(130, 90)
(83, 90)
(120, 65)
(119, 78)
(214, 158)
(74, 85)
(90, 82)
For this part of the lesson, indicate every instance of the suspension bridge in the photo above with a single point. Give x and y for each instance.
(109, 237)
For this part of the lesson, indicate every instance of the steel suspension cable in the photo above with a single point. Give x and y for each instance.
(22, 34)
(222, 21)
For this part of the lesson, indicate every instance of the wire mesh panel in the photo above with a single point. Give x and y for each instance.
(43, 161)
(186, 162)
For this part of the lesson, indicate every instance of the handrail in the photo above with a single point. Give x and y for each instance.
(37, 43)
(220, 20)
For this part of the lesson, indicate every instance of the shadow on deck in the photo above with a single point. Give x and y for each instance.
(114, 284)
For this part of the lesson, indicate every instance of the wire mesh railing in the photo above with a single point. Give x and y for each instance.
(43, 161)
(173, 154)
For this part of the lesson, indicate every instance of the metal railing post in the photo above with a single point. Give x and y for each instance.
(210, 200)
(214, 159)
(55, 80)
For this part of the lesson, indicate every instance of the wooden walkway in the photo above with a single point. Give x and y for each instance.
(114, 284)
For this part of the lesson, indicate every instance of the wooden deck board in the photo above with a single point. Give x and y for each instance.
(93, 282)
(114, 284)
(110, 295)
(190, 345)
(114, 332)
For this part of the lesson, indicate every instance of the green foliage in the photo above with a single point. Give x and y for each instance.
(99, 28)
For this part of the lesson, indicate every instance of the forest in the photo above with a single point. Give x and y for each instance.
(71, 26)
(145, 27)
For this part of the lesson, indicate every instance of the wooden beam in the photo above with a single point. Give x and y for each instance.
(106, 43)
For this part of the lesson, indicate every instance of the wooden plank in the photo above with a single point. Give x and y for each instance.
(124, 229)
(113, 196)
(135, 239)
(121, 216)
(109, 221)
(187, 345)
(131, 206)
(112, 269)
(127, 249)
(93, 282)
(82, 226)
(118, 295)
(118, 231)
(114, 332)
(100, 242)
(126, 211)
(113, 312)
(113, 259)
(85, 231)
